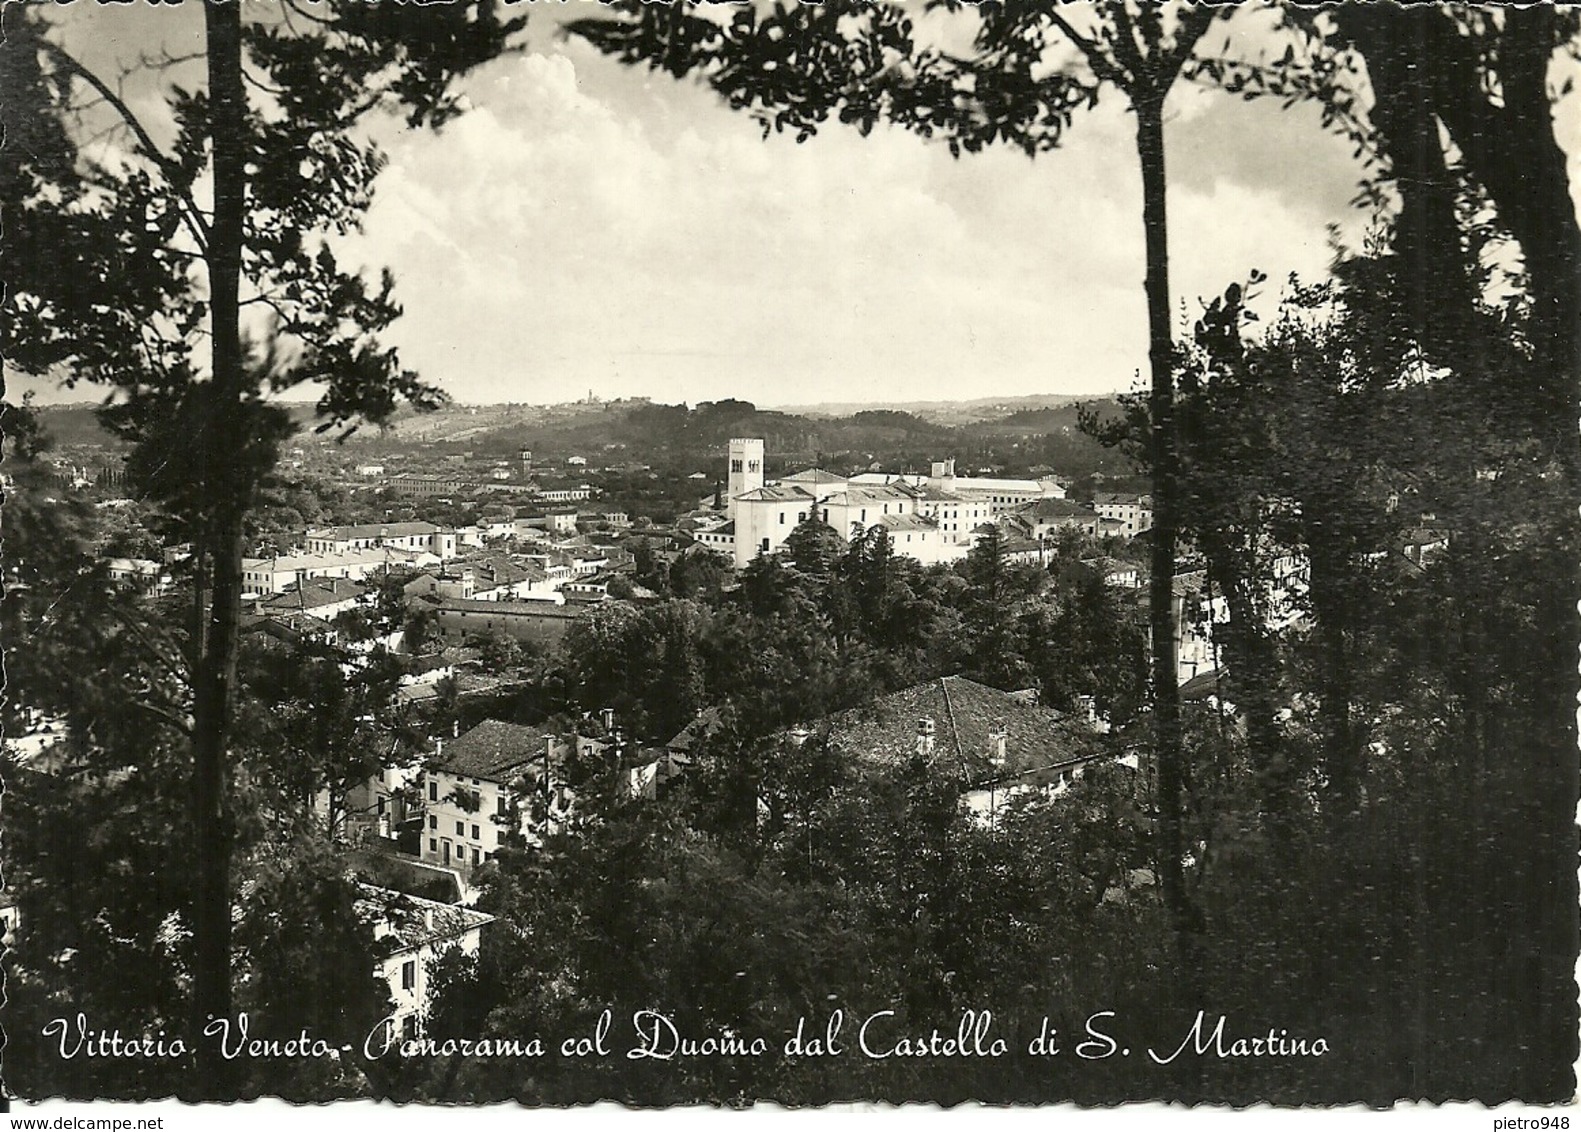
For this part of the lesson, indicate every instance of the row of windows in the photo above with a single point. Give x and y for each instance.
(478, 856)
(461, 828)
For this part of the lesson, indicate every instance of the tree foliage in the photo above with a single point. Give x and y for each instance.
(139, 275)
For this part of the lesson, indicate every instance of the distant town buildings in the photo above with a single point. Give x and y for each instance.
(282, 572)
(417, 537)
(539, 622)
(930, 518)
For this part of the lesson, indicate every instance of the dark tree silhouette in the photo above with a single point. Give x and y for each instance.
(265, 162)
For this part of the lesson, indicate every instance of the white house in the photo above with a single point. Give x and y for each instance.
(395, 536)
(1133, 512)
(139, 574)
(416, 932)
(474, 790)
(278, 574)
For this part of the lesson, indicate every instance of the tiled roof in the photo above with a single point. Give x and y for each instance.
(373, 530)
(510, 608)
(874, 494)
(317, 592)
(501, 571)
(774, 495)
(814, 475)
(406, 923)
(907, 523)
(982, 483)
(1202, 685)
(1056, 509)
(1122, 498)
(492, 748)
(705, 723)
(1190, 584)
(967, 716)
(291, 563)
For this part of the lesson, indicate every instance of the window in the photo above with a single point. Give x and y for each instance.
(782, 518)
(409, 974)
(433, 845)
(477, 859)
(476, 836)
(461, 829)
(433, 790)
(433, 822)
(735, 466)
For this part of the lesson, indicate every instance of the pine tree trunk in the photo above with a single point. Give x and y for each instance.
(1161, 604)
(214, 696)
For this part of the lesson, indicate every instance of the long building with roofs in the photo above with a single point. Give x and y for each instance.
(929, 518)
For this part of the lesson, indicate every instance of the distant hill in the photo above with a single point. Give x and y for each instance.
(1014, 435)
(1029, 433)
(78, 424)
(941, 412)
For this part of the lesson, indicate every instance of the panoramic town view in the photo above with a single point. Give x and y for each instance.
(470, 640)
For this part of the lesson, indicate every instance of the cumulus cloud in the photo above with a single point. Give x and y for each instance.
(587, 227)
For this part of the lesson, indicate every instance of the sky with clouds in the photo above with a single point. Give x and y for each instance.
(591, 227)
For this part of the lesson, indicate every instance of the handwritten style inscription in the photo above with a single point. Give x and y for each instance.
(658, 1038)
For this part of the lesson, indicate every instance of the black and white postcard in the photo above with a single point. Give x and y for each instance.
(801, 554)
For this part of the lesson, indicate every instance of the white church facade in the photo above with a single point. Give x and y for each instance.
(929, 518)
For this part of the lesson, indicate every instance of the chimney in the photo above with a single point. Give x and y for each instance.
(925, 734)
(996, 747)
(455, 729)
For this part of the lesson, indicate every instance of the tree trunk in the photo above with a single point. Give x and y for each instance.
(1161, 599)
(1330, 611)
(1438, 295)
(1252, 674)
(214, 684)
(1509, 148)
